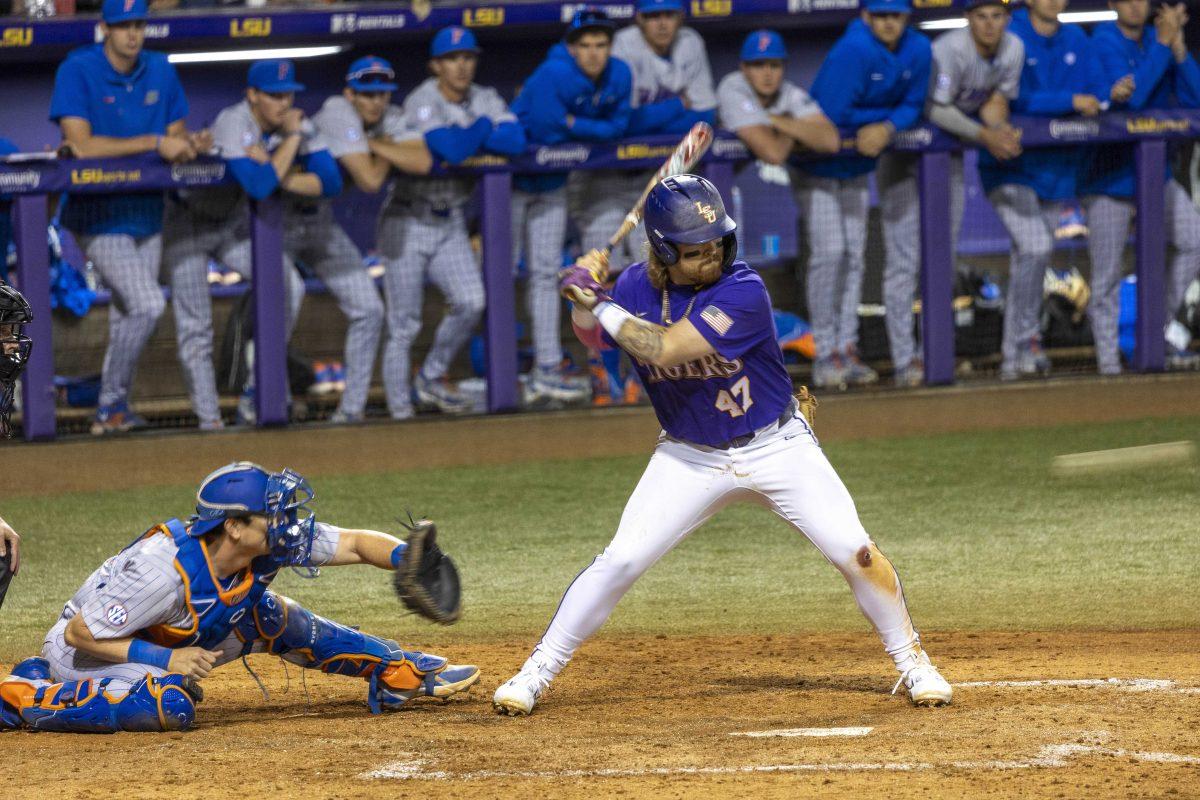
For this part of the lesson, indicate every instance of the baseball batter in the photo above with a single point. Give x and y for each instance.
(423, 228)
(577, 94)
(874, 82)
(1028, 191)
(699, 326)
(1138, 68)
(977, 70)
(155, 619)
(116, 99)
(269, 146)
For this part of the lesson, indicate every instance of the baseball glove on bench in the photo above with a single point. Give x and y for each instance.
(427, 581)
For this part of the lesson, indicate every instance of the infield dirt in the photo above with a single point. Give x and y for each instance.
(653, 715)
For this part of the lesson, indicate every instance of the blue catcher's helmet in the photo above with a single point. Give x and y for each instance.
(687, 209)
(246, 488)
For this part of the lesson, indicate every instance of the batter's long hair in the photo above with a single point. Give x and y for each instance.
(656, 269)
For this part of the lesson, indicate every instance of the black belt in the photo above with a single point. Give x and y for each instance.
(742, 441)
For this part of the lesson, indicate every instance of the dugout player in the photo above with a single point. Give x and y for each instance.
(423, 229)
(116, 99)
(699, 327)
(1138, 68)
(154, 620)
(579, 93)
(874, 81)
(976, 71)
(368, 137)
(672, 91)
(269, 146)
(1028, 191)
(774, 116)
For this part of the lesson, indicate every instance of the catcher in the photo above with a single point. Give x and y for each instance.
(134, 643)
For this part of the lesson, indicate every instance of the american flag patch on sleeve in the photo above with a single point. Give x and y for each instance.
(717, 319)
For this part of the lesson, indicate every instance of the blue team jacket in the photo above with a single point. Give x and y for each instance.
(1056, 69)
(558, 88)
(1159, 83)
(862, 82)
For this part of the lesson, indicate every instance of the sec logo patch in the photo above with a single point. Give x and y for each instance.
(117, 615)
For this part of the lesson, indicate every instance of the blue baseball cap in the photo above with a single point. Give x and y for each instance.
(589, 20)
(971, 5)
(274, 75)
(454, 39)
(888, 6)
(115, 11)
(371, 74)
(763, 45)
(659, 6)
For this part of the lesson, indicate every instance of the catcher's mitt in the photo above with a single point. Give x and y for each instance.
(427, 580)
(808, 404)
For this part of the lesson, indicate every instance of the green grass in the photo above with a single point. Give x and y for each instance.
(982, 536)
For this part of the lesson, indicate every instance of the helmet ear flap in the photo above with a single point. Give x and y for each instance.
(729, 243)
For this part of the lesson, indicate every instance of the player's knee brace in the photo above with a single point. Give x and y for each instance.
(153, 704)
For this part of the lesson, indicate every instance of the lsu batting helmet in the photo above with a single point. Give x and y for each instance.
(687, 209)
(243, 488)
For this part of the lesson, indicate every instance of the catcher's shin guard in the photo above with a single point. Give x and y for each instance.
(153, 704)
(394, 675)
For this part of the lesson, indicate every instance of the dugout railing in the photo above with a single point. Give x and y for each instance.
(31, 182)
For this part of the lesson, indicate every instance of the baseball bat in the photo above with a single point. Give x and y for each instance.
(687, 154)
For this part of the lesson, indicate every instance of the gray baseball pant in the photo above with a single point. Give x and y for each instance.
(1108, 221)
(189, 241)
(416, 244)
(539, 230)
(599, 201)
(321, 243)
(835, 217)
(1030, 223)
(129, 268)
(900, 209)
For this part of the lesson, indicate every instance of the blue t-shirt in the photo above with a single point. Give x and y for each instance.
(6, 148)
(147, 100)
(733, 392)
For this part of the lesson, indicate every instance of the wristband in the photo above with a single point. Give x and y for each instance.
(611, 316)
(398, 554)
(143, 652)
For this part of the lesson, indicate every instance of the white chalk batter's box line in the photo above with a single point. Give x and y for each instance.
(1126, 684)
(1050, 756)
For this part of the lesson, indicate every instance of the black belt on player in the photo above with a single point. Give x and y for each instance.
(741, 441)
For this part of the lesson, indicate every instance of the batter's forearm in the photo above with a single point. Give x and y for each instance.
(642, 340)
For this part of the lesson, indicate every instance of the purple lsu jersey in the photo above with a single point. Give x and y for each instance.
(740, 388)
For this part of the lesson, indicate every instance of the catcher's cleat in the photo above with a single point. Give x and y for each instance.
(520, 693)
(926, 686)
(394, 686)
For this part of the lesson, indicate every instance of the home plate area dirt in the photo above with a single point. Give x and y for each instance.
(1093, 714)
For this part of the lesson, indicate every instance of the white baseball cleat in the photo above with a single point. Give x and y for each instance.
(520, 693)
(926, 686)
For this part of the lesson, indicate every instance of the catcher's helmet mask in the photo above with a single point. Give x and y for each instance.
(687, 209)
(244, 487)
(15, 347)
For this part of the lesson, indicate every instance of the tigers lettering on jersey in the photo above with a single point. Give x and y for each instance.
(710, 366)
